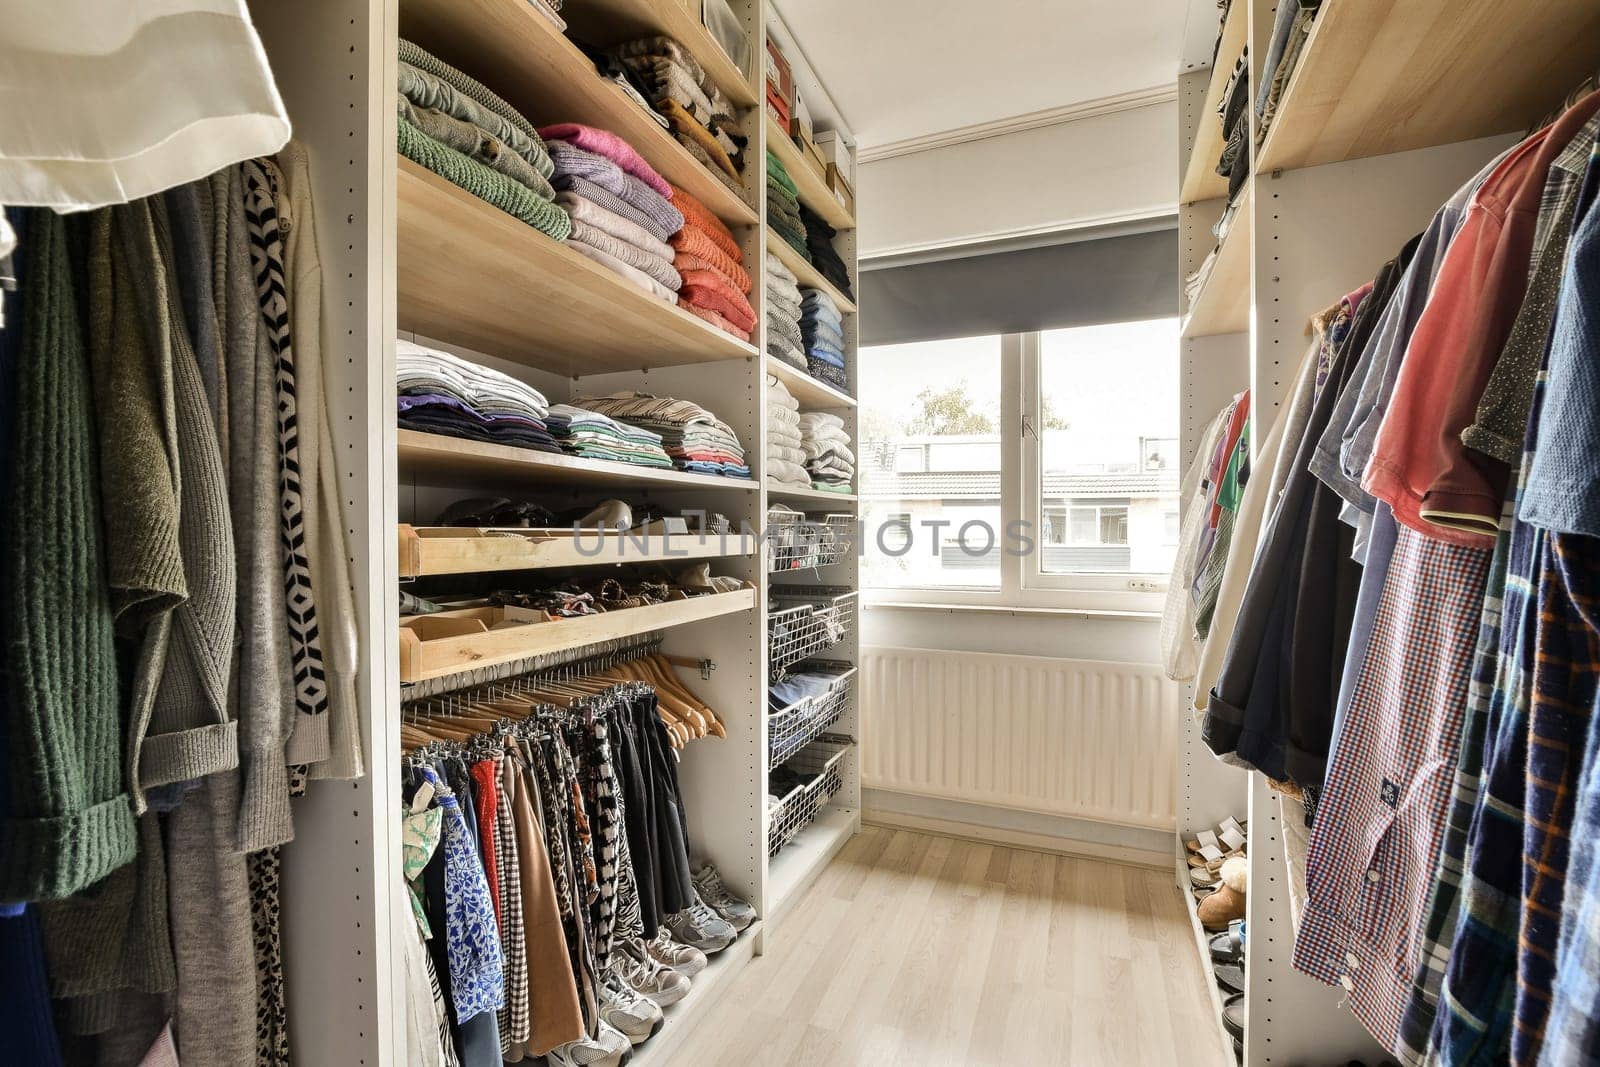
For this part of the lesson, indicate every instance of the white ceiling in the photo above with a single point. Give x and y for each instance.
(900, 69)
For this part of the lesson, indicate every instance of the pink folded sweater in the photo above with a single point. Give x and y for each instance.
(614, 148)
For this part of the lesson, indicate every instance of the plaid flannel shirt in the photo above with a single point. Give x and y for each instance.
(1380, 818)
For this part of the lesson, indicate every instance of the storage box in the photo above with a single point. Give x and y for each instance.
(833, 149)
(724, 27)
(780, 77)
(809, 152)
(841, 189)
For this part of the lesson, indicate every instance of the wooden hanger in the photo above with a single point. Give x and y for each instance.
(1583, 89)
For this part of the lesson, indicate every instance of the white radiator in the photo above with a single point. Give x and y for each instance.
(1076, 738)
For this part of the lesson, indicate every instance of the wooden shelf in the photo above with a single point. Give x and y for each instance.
(814, 192)
(452, 642)
(810, 277)
(518, 53)
(470, 274)
(810, 495)
(813, 393)
(433, 550)
(604, 23)
(456, 462)
(1200, 178)
(1223, 304)
(1378, 77)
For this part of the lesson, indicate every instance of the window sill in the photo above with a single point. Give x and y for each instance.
(1012, 609)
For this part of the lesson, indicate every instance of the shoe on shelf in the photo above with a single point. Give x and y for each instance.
(636, 1017)
(704, 929)
(1233, 1015)
(1227, 903)
(607, 515)
(645, 976)
(685, 959)
(598, 1051)
(708, 883)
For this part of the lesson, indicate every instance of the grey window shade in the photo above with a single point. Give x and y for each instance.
(1077, 283)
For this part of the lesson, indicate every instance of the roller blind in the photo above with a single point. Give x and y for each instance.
(1072, 283)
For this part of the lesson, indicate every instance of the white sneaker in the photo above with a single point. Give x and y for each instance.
(647, 977)
(591, 1052)
(636, 1017)
(685, 959)
(735, 911)
(699, 926)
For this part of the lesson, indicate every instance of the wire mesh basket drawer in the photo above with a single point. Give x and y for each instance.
(792, 728)
(806, 621)
(822, 764)
(796, 541)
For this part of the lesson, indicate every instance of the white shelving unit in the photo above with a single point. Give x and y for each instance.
(1364, 149)
(404, 255)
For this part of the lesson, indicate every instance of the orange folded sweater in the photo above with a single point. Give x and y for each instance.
(715, 319)
(692, 243)
(709, 289)
(697, 213)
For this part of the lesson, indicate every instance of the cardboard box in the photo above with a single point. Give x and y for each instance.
(809, 152)
(833, 149)
(841, 189)
(780, 77)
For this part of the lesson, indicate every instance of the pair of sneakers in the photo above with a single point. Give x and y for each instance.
(713, 921)
(638, 984)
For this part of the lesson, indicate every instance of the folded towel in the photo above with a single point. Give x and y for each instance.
(708, 288)
(623, 229)
(715, 319)
(572, 162)
(658, 268)
(475, 143)
(707, 222)
(605, 143)
(490, 186)
(693, 241)
(658, 227)
(618, 267)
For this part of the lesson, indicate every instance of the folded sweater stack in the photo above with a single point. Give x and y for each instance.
(618, 205)
(443, 394)
(829, 461)
(699, 114)
(784, 340)
(694, 438)
(783, 206)
(822, 332)
(591, 435)
(457, 128)
(786, 458)
(716, 286)
(819, 250)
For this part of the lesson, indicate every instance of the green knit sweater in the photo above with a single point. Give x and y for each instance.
(70, 823)
(485, 184)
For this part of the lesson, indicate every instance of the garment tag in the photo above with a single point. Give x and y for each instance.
(423, 797)
(1233, 839)
(1389, 793)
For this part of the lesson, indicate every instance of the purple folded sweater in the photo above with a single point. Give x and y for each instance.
(573, 162)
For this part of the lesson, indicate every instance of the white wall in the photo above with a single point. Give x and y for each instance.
(1104, 169)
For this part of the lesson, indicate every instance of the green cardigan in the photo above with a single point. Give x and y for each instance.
(69, 823)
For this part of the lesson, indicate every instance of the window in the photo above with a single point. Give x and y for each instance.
(1036, 469)
(930, 464)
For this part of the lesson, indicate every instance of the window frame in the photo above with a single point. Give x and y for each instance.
(1023, 582)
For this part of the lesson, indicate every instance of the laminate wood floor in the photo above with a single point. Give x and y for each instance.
(920, 950)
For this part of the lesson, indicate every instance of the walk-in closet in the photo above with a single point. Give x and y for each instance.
(778, 532)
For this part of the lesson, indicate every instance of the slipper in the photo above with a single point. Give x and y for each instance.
(1226, 946)
(1233, 1015)
(1199, 876)
(1230, 977)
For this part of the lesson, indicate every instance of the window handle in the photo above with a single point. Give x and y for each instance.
(1027, 428)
